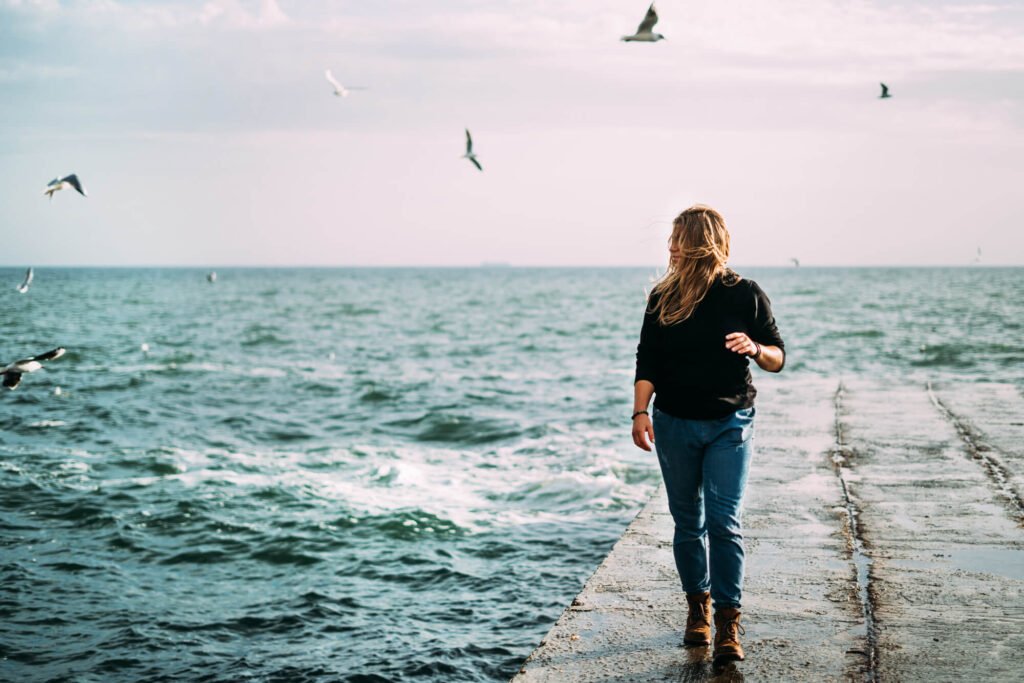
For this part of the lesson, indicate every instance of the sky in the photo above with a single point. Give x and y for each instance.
(206, 133)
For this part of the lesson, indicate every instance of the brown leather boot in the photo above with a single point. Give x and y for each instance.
(698, 619)
(727, 636)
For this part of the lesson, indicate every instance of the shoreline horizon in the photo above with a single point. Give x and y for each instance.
(499, 266)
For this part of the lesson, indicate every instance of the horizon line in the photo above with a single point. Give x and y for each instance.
(498, 265)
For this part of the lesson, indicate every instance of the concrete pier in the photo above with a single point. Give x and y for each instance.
(884, 529)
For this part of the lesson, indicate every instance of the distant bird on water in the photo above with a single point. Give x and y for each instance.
(12, 373)
(61, 183)
(644, 32)
(211, 276)
(339, 89)
(469, 151)
(23, 287)
(885, 92)
(796, 262)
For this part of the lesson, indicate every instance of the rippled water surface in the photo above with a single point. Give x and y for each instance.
(368, 475)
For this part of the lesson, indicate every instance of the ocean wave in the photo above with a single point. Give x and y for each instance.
(438, 426)
(80, 515)
(352, 310)
(43, 424)
(945, 355)
(263, 339)
(279, 552)
(854, 334)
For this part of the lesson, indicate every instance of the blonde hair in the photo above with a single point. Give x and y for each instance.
(703, 242)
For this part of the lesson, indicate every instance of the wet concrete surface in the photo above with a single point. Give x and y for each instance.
(990, 421)
(879, 548)
(945, 543)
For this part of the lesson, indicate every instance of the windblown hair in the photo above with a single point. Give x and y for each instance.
(703, 242)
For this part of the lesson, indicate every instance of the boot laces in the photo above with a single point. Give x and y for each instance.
(733, 628)
(698, 613)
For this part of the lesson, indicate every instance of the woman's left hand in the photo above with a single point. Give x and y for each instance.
(740, 343)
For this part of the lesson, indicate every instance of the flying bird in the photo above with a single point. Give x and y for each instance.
(23, 287)
(62, 183)
(211, 276)
(12, 373)
(977, 256)
(469, 151)
(885, 92)
(644, 32)
(796, 262)
(339, 89)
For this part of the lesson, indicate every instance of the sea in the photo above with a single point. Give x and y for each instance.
(362, 474)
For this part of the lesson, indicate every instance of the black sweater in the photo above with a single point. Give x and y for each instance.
(694, 376)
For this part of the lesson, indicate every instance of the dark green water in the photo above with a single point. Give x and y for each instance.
(362, 474)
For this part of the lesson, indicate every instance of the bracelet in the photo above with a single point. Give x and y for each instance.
(639, 412)
(758, 354)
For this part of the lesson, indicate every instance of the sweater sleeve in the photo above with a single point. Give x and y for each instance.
(763, 329)
(646, 364)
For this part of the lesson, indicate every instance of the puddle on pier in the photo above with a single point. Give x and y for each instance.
(1007, 562)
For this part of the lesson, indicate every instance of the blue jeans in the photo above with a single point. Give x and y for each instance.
(705, 465)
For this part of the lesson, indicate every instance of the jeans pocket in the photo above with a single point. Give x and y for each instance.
(742, 424)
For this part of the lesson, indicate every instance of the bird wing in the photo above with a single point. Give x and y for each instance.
(649, 20)
(12, 379)
(885, 88)
(332, 80)
(469, 142)
(476, 163)
(72, 180)
(25, 365)
(53, 354)
(29, 274)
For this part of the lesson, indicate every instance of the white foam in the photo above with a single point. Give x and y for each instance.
(562, 476)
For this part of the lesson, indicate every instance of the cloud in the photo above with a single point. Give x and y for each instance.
(19, 72)
(842, 36)
(104, 14)
(233, 14)
(31, 5)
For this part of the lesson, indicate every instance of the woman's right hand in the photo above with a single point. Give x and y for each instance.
(643, 432)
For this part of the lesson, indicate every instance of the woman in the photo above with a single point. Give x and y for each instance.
(702, 326)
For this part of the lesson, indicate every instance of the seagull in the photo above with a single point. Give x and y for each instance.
(796, 262)
(339, 89)
(23, 287)
(144, 347)
(211, 276)
(61, 183)
(977, 257)
(469, 151)
(13, 372)
(644, 34)
(885, 92)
